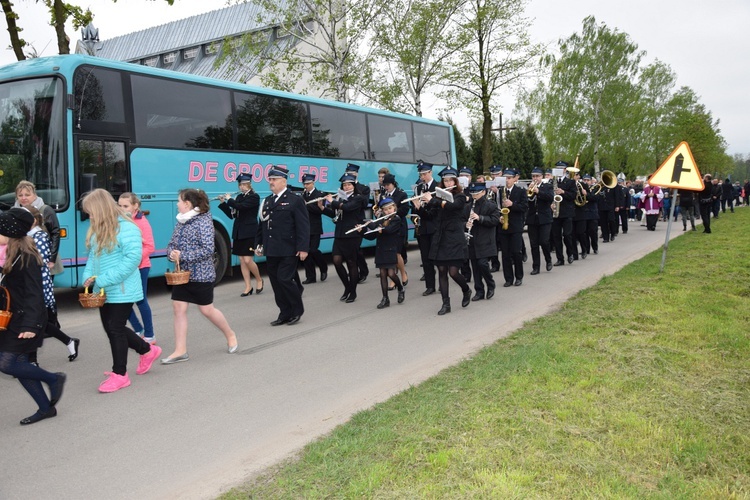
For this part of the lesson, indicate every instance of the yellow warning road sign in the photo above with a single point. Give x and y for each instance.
(679, 171)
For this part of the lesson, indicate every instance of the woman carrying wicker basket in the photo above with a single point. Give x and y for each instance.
(192, 247)
(22, 278)
(115, 244)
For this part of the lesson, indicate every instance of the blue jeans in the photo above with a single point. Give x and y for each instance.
(30, 376)
(144, 308)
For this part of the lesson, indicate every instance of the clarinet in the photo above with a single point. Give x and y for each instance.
(470, 222)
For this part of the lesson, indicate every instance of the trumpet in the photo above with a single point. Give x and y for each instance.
(530, 192)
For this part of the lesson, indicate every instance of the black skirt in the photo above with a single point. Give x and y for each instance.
(245, 246)
(194, 292)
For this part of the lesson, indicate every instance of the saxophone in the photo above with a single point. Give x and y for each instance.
(557, 199)
(505, 211)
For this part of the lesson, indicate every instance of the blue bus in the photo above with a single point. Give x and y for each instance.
(73, 123)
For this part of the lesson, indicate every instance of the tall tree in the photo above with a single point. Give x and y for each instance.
(589, 100)
(496, 52)
(413, 41)
(323, 43)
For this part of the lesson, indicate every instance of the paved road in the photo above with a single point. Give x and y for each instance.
(195, 429)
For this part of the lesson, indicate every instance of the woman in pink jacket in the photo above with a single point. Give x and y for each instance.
(132, 205)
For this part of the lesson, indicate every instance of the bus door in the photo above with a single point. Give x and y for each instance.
(100, 163)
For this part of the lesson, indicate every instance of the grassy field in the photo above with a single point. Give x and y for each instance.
(638, 387)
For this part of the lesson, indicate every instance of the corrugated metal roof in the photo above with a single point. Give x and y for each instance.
(184, 33)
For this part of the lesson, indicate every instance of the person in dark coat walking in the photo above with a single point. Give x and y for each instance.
(22, 278)
(314, 212)
(284, 232)
(244, 210)
(687, 204)
(427, 226)
(449, 249)
(562, 225)
(388, 234)
(347, 211)
(482, 219)
(539, 220)
(392, 191)
(364, 190)
(592, 215)
(515, 199)
(707, 198)
(727, 196)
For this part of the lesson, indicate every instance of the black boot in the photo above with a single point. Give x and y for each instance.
(401, 295)
(446, 307)
(467, 297)
(384, 303)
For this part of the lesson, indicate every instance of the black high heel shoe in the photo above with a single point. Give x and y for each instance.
(258, 291)
(245, 294)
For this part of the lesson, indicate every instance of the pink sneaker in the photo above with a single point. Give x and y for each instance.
(114, 383)
(148, 359)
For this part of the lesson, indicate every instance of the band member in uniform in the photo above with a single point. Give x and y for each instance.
(515, 199)
(314, 212)
(464, 179)
(492, 195)
(427, 226)
(562, 225)
(244, 210)
(483, 217)
(539, 219)
(392, 191)
(353, 170)
(388, 234)
(346, 214)
(284, 233)
(607, 220)
(449, 248)
(579, 218)
(591, 210)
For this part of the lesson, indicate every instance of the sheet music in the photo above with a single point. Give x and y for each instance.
(444, 194)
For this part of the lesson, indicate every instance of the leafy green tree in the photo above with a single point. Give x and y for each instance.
(413, 40)
(326, 43)
(588, 103)
(496, 52)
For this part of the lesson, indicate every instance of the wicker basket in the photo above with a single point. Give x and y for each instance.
(92, 300)
(177, 277)
(5, 314)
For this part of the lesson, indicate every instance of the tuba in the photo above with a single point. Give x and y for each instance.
(608, 180)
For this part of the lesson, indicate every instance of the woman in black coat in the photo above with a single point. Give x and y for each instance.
(347, 214)
(449, 249)
(244, 210)
(389, 236)
(22, 277)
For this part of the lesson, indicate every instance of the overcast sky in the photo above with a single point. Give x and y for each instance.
(705, 43)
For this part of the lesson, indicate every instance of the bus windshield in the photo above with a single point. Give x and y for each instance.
(32, 139)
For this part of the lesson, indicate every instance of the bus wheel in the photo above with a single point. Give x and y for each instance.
(221, 256)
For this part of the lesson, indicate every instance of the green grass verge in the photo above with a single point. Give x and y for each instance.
(638, 387)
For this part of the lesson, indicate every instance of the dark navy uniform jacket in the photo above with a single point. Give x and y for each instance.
(284, 227)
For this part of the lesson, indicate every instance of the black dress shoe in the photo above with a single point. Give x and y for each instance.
(308, 281)
(477, 296)
(466, 298)
(584, 255)
(377, 275)
(293, 320)
(362, 279)
(422, 278)
(56, 389)
(427, 292)
(518, 282)
(596, 251)
(40, 415)
(494, 269)
(549, 266)
(507, 284)
(401, 295)
(245, 294)
(279, 321)
(524, 256)
(76, 343)
(490, 293)
(559, 263)
(351, 298)
(344, 297)
(384, 303)
(534, 272)
(323, 276)
(570, 259)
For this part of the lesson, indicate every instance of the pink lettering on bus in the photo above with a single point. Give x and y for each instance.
(211, 167)
(195, 173)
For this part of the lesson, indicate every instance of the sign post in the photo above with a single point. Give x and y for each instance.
(679, 171)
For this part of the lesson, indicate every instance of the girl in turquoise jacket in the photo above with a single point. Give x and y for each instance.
(115, 245)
